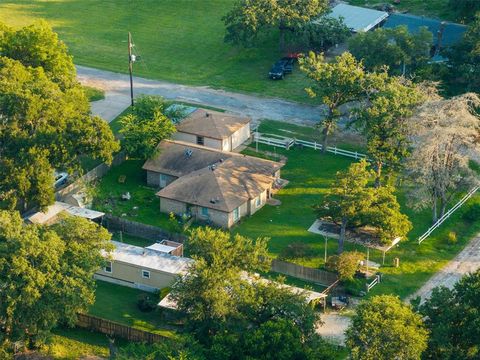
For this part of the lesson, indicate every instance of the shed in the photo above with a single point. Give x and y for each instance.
(358, 19)
(50, 215)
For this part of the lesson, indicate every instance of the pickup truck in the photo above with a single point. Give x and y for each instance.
(281, 67)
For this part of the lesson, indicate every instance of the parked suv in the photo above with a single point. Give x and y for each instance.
(281, 67)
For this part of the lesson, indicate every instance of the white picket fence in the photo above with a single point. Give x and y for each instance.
(286, 143)
(448, 214)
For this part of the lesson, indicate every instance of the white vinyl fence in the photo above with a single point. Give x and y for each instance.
(286, 143)
(448, 214)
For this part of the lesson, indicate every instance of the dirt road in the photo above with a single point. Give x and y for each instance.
(117, 91)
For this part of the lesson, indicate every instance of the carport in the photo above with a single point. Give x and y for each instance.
(358, 19)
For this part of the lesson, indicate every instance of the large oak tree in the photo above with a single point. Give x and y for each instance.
(45, 120)
(249, 18)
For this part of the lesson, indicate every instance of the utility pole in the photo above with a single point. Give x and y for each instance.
(131, 60)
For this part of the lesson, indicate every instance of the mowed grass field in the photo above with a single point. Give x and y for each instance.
(179, 41)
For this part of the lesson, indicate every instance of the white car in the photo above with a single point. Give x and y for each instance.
(60, 178)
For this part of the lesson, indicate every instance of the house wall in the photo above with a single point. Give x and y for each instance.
(167, 206)
(153, 178)
(192, 139)
(253, 208)
(189, 138)
(240, 136)
(124, 274)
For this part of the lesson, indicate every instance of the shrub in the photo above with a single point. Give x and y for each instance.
(147, 302)
(348, 264)
(345, 265)
(473, 213)
(452, 237)
(331, 264)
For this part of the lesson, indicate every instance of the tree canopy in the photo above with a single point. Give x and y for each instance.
(465, 10)
(446, 133)
(325, 32)
(47, 273)
(453, 318)
(232, 313)
(384, 120)
(336, 83)
(352, 201)
(45, 120)
(250, 18)
(395, 48)
(384, 328)
(464, 58)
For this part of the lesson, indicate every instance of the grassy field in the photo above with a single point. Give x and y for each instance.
(434, 8)
(179, 41)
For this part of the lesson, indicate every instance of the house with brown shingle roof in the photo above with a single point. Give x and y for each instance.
(214, 129)
(214, 186)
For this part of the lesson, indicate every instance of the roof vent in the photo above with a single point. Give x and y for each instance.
(213, 167)
(188, 153)
(207, 114)
(212, 201)
(221, 160)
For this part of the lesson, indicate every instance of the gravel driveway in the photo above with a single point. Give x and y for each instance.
(467, 261)
(117, 98)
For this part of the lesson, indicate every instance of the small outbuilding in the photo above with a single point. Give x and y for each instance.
(358, 19)
(148, 269)
(52, 213)
(213, 129)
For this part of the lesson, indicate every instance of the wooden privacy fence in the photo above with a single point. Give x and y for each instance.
(94, 174)
(318, 276)
(286, 143)
(112, 328)
(149, 232)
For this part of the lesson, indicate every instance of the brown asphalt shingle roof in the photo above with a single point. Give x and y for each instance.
(212, 124)
(222, 185)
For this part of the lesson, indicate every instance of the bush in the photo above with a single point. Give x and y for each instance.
(452, 237)
(147, 302)
(473, 213)
(354, 287)
(345, 265)
(331, 264)
(295, 251)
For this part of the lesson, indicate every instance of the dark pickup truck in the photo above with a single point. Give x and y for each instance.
(281, 67)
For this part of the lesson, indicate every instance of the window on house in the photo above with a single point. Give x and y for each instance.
(258, 202)
(200, 140)
(205, 211)
(236, 214)
(145, 274)
(108, 267)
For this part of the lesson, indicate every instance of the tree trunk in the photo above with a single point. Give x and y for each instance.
(325, 142)
(443, 206)
(282, 40)
(434, 210)
(378, 176)
(341, 239)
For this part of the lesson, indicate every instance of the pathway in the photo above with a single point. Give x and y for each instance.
(467, 261)
(117, 93)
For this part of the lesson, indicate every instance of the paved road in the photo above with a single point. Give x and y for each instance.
(117, 91)
(467, 261)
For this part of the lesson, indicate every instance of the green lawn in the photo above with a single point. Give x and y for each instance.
(74, 344)
(434, 8)
(119, 304)
(143, 207)
(179, 41)
(94, 94)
